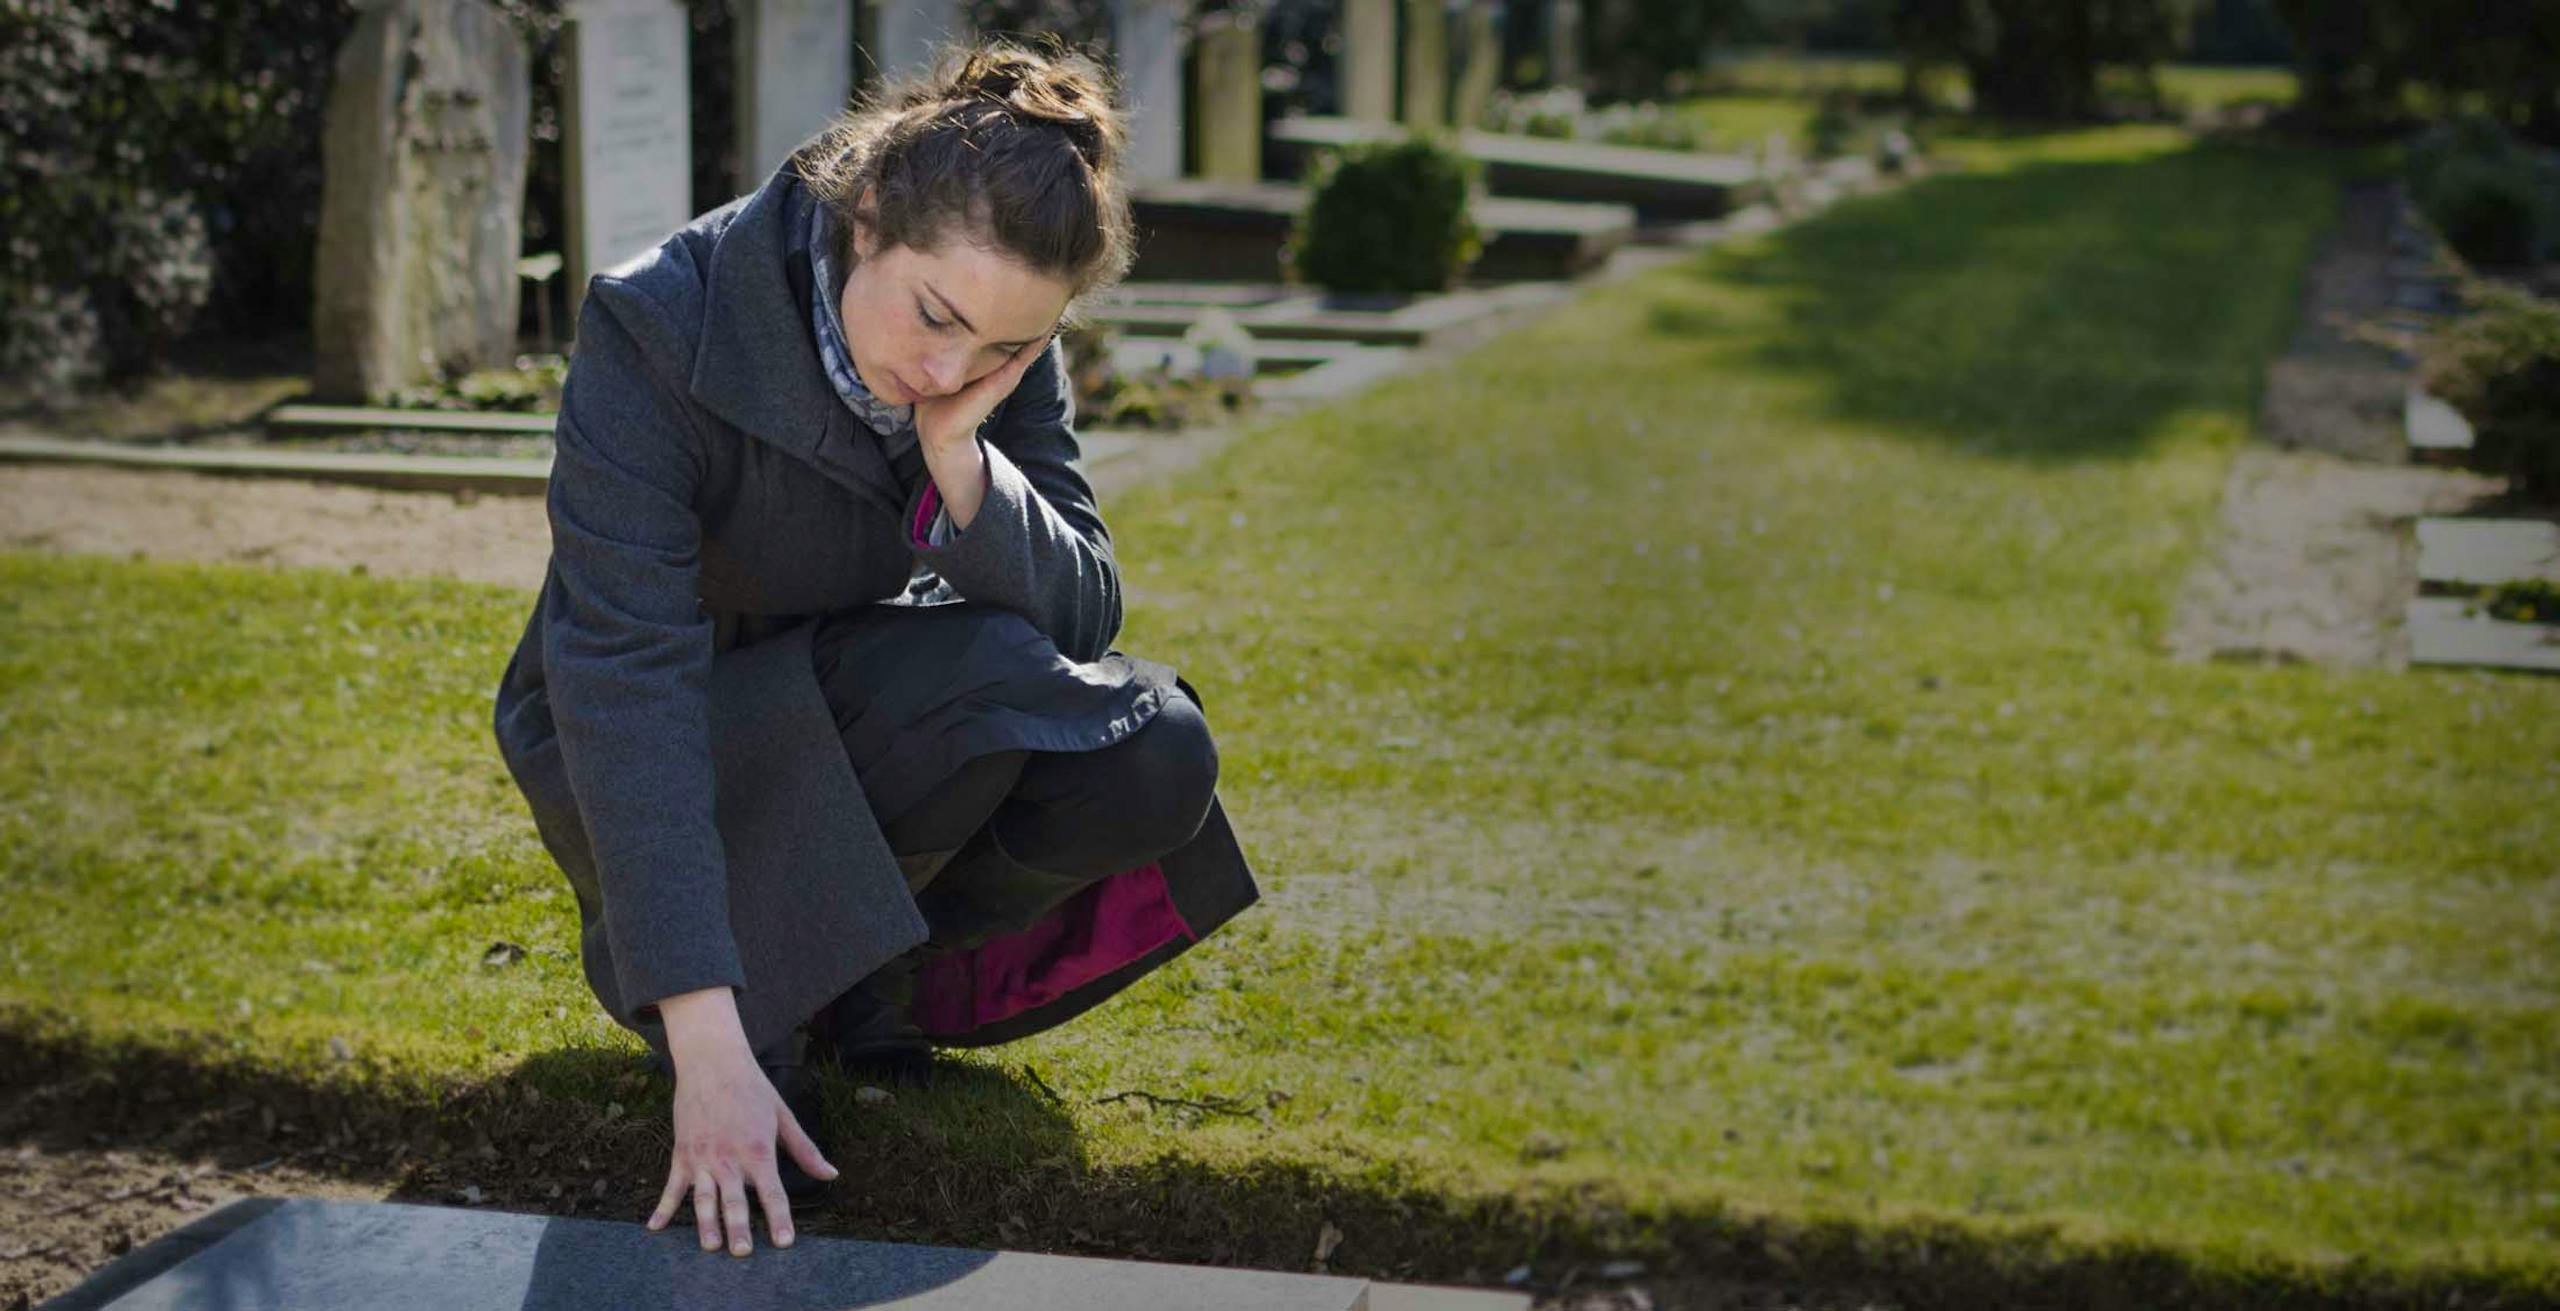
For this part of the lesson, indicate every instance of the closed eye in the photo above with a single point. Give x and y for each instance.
(937, 325)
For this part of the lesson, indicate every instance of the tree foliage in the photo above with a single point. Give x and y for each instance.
(2039, 59)
(1634, 49)
(2361, 59)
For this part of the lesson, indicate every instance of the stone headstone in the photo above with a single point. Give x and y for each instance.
(422, 190)
(1368, 61)
(1564, 43)
(628, 138)
(1479, 62)
(1426, 63)
(308, 1255)
(1228, 94)
(2434, 427)
(908, 36)
(1146, 43)
(795, 71)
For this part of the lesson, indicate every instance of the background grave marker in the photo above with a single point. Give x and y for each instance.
(627, 139)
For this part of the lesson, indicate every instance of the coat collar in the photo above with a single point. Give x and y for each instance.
(758, 367)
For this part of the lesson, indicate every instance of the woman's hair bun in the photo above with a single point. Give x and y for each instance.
(1067, 92)
(1018, 148)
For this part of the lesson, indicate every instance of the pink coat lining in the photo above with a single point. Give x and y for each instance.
(1109, 925)
(921, 529)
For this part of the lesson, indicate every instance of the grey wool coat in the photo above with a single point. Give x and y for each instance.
(662, 714)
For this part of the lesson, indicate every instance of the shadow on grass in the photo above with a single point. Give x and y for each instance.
(989, 1158)
(2063, 309)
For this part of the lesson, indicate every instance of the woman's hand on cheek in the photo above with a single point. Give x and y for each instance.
(946, 421)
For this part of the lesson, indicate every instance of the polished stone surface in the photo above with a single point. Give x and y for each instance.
(308, 1255)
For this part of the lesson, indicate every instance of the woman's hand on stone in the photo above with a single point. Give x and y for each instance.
(943, 421)
(727, 1118)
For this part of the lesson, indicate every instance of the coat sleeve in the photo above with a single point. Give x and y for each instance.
(1037, 546)
(627, 652)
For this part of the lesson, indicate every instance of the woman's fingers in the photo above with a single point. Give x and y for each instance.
(961, 412)
(733, 1211)
(706, 1211)
(777, 1204)
(670, 1198)
(797, 1142)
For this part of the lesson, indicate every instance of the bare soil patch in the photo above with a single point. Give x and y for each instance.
(276, 522)
(289, 524)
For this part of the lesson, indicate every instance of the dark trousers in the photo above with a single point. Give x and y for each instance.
(998, 843)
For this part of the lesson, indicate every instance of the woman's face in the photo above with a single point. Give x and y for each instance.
(923, 324)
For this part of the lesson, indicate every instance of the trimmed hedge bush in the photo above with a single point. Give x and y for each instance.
(163, 170)
(2500, 366)
(1387, 217)
(2495, 199)
(155, 171)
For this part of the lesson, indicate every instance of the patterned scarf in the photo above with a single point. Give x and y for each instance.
(896, 424)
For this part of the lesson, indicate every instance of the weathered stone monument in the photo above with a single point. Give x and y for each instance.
(1228, 96)
(628, 141)
(1479, 63)
(795, 70)
(422, 190)
(1146, 43)
(1426, 63)
(907, 35)
(1367, 75)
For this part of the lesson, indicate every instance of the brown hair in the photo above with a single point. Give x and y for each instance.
(1000, 145)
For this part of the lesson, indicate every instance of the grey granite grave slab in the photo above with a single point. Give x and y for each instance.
(2445, 630)
(2435, 428)
(2487, 552)
(312, 1255)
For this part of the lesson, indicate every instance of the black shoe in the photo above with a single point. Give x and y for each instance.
(785, 1063)
(870, 1030)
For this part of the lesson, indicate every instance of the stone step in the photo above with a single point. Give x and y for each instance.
(2437, 431)
(2446, 630)
(291, 419)
(1195, 228)
(433, 473)
(1424, 320)
(1659, 184)
(305, 1254)
(2486, 552)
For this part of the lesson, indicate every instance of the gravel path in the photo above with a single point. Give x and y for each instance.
(184, 516)
(2314, 557)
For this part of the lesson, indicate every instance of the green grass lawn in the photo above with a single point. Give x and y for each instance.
(1710, 756)
(1740, 124)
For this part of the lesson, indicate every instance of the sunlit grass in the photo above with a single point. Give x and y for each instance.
(1711, 749)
